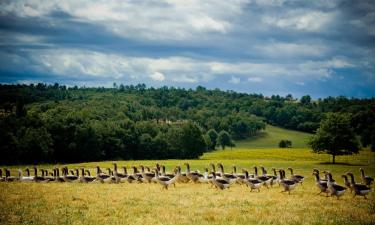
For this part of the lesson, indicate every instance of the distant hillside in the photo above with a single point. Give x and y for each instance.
(272, 135)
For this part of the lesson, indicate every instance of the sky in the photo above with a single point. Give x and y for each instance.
(320, 47)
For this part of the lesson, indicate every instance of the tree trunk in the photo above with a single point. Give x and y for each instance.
(333, 158)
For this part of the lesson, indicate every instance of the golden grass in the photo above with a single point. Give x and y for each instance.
(76, 203)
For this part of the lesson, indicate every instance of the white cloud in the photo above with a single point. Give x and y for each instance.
(301, 20)
(300, 83)
(234, 80)
(152, 20)
(157, 76)
(255, 79)
(281, 49)
(77, 63)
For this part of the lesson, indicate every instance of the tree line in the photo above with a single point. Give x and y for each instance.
(55, 123)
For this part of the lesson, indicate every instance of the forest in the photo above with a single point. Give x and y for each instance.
(53, 123)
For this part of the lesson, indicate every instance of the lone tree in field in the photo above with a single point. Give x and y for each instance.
(213, 137)
(335, 136)
(224, 139)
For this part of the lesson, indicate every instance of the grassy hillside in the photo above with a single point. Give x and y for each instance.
(271, 137)
(76, 203)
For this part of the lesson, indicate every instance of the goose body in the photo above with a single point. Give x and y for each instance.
(322, 185)
(366, 179)
(220, 183)
(359, 189)
(27, 178)
(193, 176)
(252, 183)
(287, 184)
(335, 189)
(296, 177)
(165, 181)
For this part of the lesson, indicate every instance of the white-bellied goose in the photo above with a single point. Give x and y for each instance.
(119, 177)
(163, 173)
(102, 177)
(322, 185)
(8, 177)
(359, 189)
(86, 179)
(214, 169)
(240, 177)
(1, 175)
(252, 183)
(267, 179)
(347, 183)
(226, 176)
(48, 177)
(334, 189)
(220, 183)
(36, 177)
(366, 179)
(193, 176)
(165, 181)
(58, 177)
(27, 178)
(147, 176)
(183, 177)
(69, 177)
(296, 177)
(277, 179)
(287, 184)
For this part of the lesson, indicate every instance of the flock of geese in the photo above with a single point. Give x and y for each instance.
(220, 179)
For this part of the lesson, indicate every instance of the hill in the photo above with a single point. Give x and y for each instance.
(270, 137)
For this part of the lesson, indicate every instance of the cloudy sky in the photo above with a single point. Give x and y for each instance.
(320, 47)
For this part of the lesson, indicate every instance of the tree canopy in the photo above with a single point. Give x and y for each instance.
(335, 136)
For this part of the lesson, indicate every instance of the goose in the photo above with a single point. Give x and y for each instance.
(267, 179)
(334, 189)
(27, 178)
(102, 177)
(206, 178)
(288, 184)
(277, 179)
(165, 181)
(252, 183)
(147, 176)
(129, 178)
(366, 179)
(359, 189)
(296, 177)
(347, 183)
(38, 178)
(69, 177)
(325, 176)
(86, 179)
(58, 177)
(214, 169)
(240, 177)
(226, 176)
(170, 175)
(48, 177)
(119, 176)
(8, 177)
(1, 176)
(193, 176)
(220, 183)
(183, 177)
(137, 175)
(322, 185)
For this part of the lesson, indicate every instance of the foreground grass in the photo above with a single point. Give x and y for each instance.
(75, 203)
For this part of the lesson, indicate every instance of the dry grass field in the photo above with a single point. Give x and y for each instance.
(95, 203)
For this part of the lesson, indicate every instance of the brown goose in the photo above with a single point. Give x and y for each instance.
(147, 176)
(296, 177)
(226, 176)
(8, 177)
(334, 189)
(366, 179)
(86, 179)
(183, 177)
(36, 177)
(240, 177)
(287, 184)
(165, 181)
(267, 179)
(193, 176)
(322, 185)
(69, 177)
(347, 183)
(359, 189)
(220, 183)
(252, 183)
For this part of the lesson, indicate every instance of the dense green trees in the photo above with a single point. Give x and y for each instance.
(335, 136)
(67, 124)
(224, 139)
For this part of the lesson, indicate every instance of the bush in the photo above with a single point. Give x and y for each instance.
(285, 144)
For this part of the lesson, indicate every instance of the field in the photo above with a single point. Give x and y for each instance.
(76, 203)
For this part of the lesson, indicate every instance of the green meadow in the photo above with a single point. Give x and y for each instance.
(138, 203)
